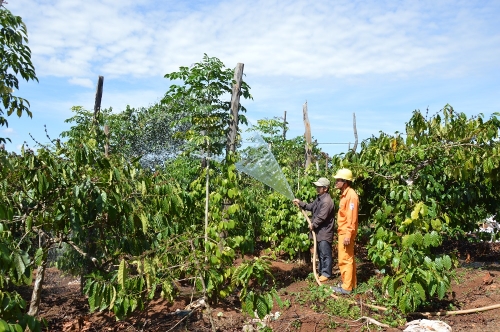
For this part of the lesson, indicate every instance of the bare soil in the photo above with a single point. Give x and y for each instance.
(477, 285)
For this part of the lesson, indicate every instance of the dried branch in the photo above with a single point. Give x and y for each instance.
(371, 321)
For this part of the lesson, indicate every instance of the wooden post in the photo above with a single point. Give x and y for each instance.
(284, 126)
(307, 135)
(98, 97)
(92, 233)
(235, 106)
(355, 133)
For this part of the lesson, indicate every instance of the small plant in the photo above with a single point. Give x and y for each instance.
(331, 324)
(460, 275)
(296, 324)
(260, 300)
(342, 308)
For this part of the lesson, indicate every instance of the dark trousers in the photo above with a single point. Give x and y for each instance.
(325, 258)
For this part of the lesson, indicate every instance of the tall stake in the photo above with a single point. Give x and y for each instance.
(98, 98)
(284, 126)
(235, 106)
(355, 132)
(206, 208)
(91, 232)
(307, 135)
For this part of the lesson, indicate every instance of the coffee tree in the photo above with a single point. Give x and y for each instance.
(433, 182)
(199, 103)
(15, 268)
(15, 59)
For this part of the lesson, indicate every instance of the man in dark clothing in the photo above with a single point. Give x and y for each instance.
(322, 224)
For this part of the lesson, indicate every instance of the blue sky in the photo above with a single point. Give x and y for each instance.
(378, 59)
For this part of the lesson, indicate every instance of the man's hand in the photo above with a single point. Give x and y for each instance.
(296, 201)
(347, 241)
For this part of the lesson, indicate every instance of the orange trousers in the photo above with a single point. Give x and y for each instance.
(347, 264)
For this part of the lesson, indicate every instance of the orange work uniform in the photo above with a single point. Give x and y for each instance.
(347, 220)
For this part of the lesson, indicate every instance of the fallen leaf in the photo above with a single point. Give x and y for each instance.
(487, 279)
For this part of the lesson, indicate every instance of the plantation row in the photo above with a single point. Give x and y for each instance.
(132, 209)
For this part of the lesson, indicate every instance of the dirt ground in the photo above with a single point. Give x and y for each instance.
(477, 285)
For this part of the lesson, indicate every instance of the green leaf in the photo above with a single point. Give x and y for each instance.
(126, 305)
(105, 294)
(261, 306)
(435, 239)
(112, 297)
(441, 289)
(19, 264)
(122, 274)
(4, 326)
(436, 224)
(433, 289)
(447, 262)
(420, 290)
(395, 262)
(390, 286)
(418, 238)
(145, 222)
(408, 240)
(29, 223)
(438, 263)
(39, 256)
(247, 303)
(277, 298)
(92, 297)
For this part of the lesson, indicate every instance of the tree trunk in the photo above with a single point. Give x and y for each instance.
(235, 106)
(37, 289)
(307, 135)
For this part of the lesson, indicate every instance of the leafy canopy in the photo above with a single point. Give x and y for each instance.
(15, 59)
(203, 101)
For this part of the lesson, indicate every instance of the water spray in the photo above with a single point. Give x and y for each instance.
(258, 161)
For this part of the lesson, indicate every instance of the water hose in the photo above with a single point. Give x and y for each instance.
(376, 307)
(315, 272)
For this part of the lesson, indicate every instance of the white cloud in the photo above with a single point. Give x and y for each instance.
(380, 59)
(299, 38)
(8, 131)
(85, 82)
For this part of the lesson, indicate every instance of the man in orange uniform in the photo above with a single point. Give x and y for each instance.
(347, 221)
